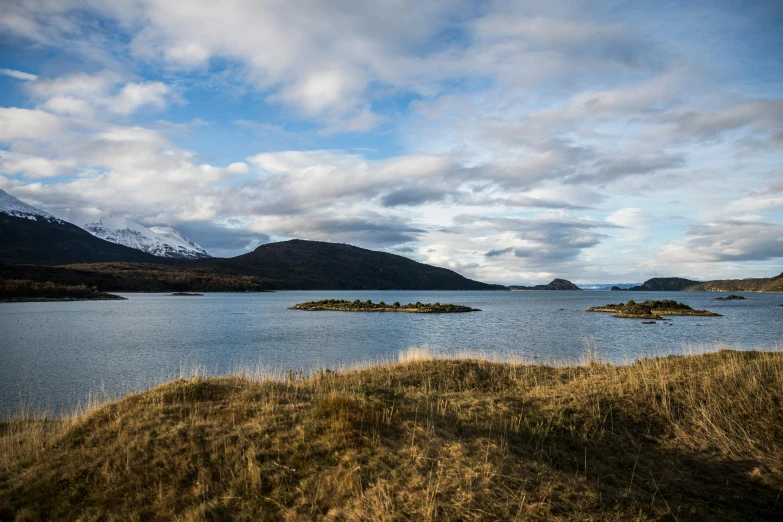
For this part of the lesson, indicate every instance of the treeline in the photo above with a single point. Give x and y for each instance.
(135, 277)
(13, 289)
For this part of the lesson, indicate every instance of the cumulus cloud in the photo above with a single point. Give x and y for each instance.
(81, 94)
(28, 124)
(34, 167)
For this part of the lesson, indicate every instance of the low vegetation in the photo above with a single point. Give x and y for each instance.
(674, 438)
(730, 298)
(136, 277)
(26, 290)
(368, 306)
(650, 309)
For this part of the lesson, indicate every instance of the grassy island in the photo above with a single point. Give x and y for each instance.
(730, 298)
(674, 438)
(368, 306)
(650, 310)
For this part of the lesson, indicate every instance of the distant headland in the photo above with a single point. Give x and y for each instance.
(555, 284)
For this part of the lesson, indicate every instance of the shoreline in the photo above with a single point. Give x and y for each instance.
(61, 299)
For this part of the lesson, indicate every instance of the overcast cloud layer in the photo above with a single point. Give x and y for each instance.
(511, 141)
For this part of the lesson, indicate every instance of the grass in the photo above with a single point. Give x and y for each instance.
(675, 438)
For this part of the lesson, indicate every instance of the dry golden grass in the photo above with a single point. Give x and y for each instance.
(675, 438)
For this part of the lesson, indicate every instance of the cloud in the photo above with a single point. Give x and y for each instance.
(546, 239)
(633, 223)
(499, 252)
(19, 75)
(28, 124)
(356, 227)
(135, 95)
(727, 241)
(81, 94)
(222, 240)
(34, 167)
(413, 195)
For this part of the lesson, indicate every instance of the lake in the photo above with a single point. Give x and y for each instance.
(54, 353)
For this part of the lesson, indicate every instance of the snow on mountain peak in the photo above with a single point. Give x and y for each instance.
(13, 207)
(159, 241)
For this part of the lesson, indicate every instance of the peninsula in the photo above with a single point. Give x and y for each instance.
(335, 305)
(650, 310)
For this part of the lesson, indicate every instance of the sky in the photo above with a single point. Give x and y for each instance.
(511, 141)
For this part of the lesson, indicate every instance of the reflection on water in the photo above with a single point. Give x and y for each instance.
(55, 352)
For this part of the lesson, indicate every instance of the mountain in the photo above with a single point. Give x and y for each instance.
(555, 284)
(158, 241)
(30, 235)
(10, 206)
(661, 284)
(316, 265)
(760, 284)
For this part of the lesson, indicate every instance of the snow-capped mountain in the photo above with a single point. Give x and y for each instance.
(13, 207)
(159, 241)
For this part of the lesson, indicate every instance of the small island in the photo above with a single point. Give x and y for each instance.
(651, 310)
(336, 305)
(730, 298)
(184, 294)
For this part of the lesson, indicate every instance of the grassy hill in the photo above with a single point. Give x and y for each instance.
(676, 438)
(760, 284)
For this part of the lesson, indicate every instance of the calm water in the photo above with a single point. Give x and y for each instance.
(53, 353)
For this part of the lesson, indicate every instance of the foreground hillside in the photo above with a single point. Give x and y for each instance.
(678, 438)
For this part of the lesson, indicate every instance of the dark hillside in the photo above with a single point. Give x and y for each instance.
(316, 265)
(664, 284)
(758, 284)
